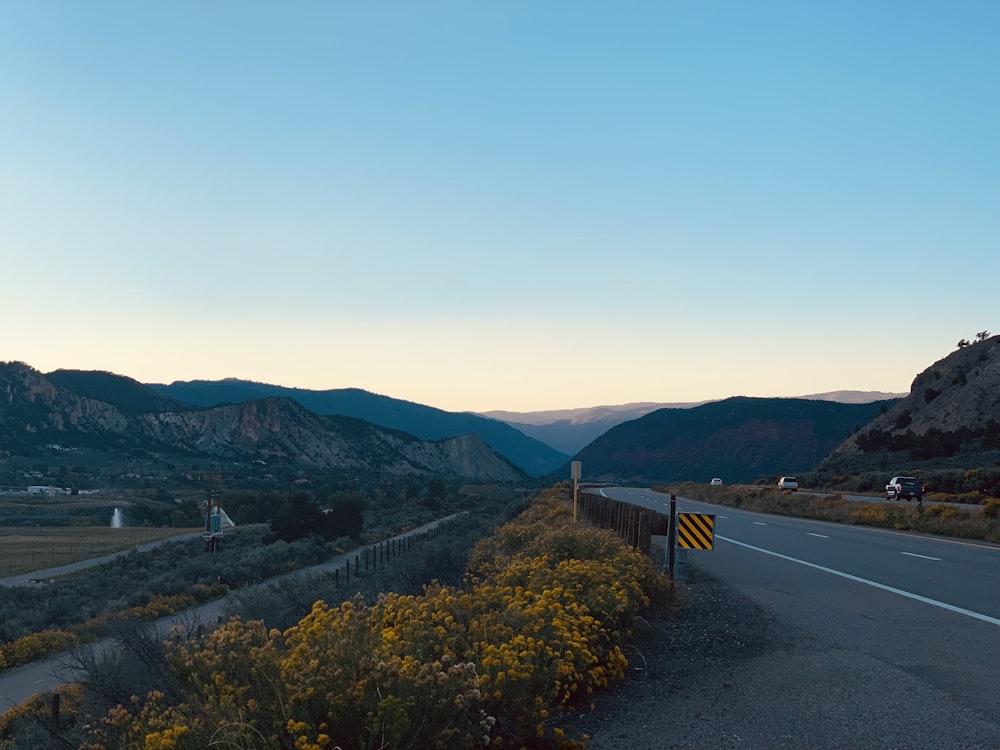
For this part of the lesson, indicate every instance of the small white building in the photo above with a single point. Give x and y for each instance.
(48, 490)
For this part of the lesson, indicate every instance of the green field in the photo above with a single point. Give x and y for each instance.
(23, 550)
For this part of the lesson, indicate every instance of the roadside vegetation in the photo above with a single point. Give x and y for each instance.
(533, 627)
(64, 612)
(36, 621)
(955, 485)
(927, 517)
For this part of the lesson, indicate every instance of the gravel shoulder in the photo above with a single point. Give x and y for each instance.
(722, 672)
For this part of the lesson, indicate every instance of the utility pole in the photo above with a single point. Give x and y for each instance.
(213, 514)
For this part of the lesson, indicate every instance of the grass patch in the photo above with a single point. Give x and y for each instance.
(23, 550)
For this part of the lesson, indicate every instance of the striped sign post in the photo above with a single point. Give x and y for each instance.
(695, 531)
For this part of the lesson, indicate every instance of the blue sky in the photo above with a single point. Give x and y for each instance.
(514, 205)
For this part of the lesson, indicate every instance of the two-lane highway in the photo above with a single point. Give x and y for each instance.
(960, 575)
(913, 609)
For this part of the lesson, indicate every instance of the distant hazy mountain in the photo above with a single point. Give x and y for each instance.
(569, 430)
(36, 412)
(533, 456)
(854, 397)
(739, 439)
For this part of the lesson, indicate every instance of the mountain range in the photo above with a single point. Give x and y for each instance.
(540, 443)
(738, 439)
(950, 420)
(951, 416)
(97, 411)
(570, 430)
(529, 454)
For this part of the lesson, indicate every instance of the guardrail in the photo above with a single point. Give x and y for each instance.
(633, 523)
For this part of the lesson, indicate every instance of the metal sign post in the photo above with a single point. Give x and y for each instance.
(575, 469)
(672, 537)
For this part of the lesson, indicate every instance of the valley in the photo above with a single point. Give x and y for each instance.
(81, 452)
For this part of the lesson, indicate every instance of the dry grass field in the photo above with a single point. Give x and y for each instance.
(33, 548)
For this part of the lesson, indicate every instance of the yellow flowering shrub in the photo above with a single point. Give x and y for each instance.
(34, 646)
(234, 677)
(40, 645)
(941, 510)
(358, 683)
(538, 650)
(156, 726)
(70, 697)
(536, 629)
(871, 515)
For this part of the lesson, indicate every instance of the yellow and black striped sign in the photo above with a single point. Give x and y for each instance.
(695, 531)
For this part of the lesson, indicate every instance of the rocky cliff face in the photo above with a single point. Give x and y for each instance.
(960, 392)
(950, 420)
(35, 411)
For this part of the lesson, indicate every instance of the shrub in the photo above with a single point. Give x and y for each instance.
(29, 724)
(36, 646)
(534, 632)
(871, 515)
(943, 511)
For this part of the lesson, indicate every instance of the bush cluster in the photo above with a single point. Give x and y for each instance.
(934, 443)
(36, 622)
(534, 630)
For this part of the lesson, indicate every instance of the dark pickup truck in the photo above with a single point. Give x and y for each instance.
(904, 488)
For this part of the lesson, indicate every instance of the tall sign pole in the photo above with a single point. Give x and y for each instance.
(575, 467)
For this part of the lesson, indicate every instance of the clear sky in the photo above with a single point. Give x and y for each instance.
(501, 205)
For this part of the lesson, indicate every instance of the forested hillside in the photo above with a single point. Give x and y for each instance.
(739, 440)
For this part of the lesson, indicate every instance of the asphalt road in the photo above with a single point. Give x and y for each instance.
(897, 631)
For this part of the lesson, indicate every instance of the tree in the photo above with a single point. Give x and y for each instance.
(344, 518)
(982, 335)
(298, 518)
(962, 343)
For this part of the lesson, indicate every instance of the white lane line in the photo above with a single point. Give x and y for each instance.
(821, 536)
(758, 523)
(922, 557)
(874, 584)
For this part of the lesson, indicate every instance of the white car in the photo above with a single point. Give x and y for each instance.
(788, 483)
(716, 482)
